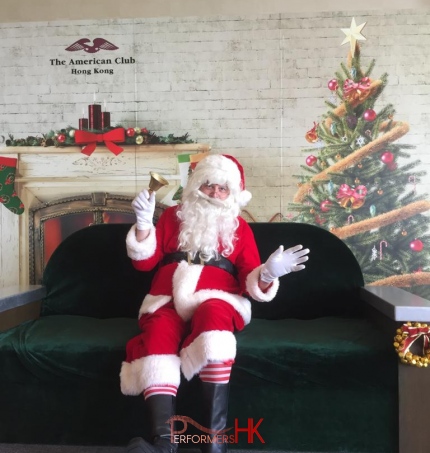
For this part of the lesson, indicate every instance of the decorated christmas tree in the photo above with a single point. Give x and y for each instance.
(360, 181)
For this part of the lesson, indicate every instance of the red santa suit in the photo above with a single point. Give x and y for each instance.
(178, 290)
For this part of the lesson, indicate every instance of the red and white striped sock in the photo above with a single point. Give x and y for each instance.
(160, 390)
(216, 372)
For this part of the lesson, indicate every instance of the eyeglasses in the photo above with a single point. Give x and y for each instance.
(222, 189)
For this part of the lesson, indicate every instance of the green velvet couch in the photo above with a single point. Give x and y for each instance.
(314, 370)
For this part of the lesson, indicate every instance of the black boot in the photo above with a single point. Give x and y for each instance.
(215, 406)
(160, 409)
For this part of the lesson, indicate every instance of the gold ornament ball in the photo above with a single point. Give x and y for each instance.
(380, 192)
(138, 130)
(404, 233)
(360, 166)
(338, 157)
(72, 133)
(312, 211)
(139, 140)
(357, 181)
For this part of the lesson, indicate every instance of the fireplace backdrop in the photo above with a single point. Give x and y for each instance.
(63, 190)
(52, 222)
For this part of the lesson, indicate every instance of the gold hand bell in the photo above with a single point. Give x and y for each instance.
(156, 182)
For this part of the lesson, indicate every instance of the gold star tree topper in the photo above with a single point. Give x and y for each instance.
(353, 34)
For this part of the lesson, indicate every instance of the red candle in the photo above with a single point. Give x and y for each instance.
(105, 120)
(83, 123)
(94, 116)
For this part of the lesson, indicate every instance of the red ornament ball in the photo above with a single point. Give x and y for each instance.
(325, 205)
(144, 130)
(387, 157)
(311, 160)
(369, 115)
(61, 138)
(130, 132)
(416, 245)
(332, 85)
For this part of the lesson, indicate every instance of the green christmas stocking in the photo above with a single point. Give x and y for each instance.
(8, 195)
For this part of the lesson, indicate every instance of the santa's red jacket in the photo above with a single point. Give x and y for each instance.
(188, 285)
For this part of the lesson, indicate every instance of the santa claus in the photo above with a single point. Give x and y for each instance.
(208, 260)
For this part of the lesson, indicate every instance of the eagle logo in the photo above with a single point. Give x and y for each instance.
(98, 44)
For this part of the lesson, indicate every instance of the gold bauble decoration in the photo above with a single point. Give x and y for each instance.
(139, 140)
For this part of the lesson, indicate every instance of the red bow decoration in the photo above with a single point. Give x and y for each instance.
(351, 197)
(91, 139)
(414, 333)
(356, 91)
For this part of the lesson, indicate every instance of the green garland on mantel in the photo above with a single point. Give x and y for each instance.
(66, 137)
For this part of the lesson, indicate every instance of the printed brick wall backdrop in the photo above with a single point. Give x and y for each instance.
(251, 86)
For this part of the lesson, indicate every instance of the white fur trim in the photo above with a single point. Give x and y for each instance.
(215, 345)
(185, 279)
(186, 299)
(254, 290)
(140, 250)
(151, 303)
(157, 369)
(244, 198)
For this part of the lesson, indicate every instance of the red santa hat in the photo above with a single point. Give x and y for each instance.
(223, 169)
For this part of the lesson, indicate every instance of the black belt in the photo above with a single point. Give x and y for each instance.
(221, 262)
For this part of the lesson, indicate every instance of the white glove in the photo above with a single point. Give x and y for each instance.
(283, 262)
(144, 207)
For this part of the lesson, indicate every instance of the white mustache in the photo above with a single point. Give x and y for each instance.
(215, 201)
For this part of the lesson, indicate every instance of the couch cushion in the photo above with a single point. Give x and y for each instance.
(327, 286)
(331, 349)
(90, 274)
(68, 347)
(337, 350)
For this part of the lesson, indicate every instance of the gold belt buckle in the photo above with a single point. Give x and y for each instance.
(189, 259)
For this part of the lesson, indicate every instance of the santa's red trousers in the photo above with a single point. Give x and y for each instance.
(165, 332)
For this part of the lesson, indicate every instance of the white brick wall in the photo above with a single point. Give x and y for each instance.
(248, 85)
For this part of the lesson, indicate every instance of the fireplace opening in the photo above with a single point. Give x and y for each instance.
(52, 222)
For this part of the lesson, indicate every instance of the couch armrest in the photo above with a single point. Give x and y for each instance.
(396, 303)
(392, 307)
(19, 304)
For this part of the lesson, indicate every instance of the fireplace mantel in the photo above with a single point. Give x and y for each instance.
(18, 150)
(48, 172)
(45, 174)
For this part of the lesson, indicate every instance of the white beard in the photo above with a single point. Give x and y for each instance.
(208, 225)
